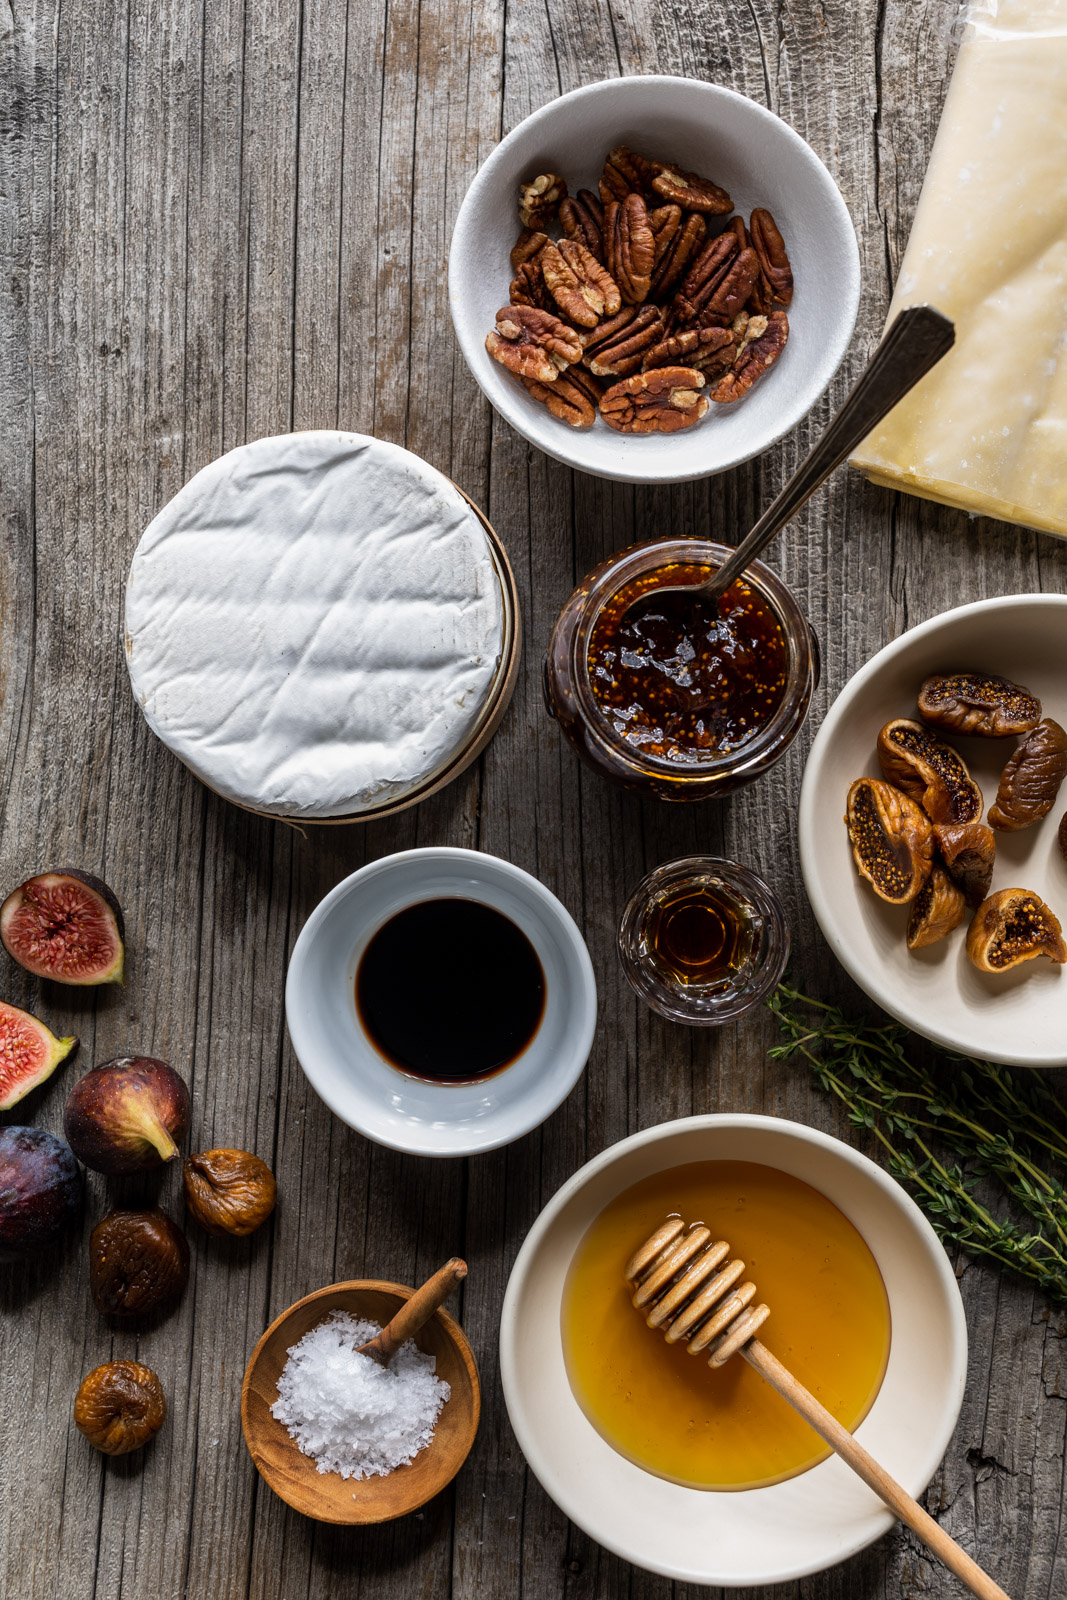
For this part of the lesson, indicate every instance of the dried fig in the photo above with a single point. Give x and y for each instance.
(119, 1407)
(937, 908)
(1031, 780)
(1014, 926)
(1062, 835)
(929, 771)
(138, 1261)
(969, 852)
(979, 704)
(892, 841)
(228, 1191)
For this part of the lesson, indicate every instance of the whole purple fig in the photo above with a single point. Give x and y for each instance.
(127, 1115)
(40, 1190)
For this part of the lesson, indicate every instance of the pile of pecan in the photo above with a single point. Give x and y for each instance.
(641, 305)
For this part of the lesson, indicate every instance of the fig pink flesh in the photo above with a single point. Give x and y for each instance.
(60, 925)
(29, 1053)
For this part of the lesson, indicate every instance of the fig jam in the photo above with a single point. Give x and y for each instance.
(680, 677)
(450, 990)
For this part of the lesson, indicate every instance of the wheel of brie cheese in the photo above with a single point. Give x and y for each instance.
(320, 626)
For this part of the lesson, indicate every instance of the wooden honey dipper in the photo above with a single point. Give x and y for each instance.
(688, 1287)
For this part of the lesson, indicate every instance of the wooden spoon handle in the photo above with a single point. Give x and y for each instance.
(415, 1312)
(897, 1499)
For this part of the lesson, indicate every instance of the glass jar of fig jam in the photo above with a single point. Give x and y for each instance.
(677, 697)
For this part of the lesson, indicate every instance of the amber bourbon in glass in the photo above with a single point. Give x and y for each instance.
(702, 940)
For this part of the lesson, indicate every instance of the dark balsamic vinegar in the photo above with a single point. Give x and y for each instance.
(450, 990)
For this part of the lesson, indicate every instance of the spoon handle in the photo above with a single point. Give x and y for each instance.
(873, 1474)
(917, 340)
(415, 1312)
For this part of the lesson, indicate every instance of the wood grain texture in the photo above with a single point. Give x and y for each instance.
(224, 220)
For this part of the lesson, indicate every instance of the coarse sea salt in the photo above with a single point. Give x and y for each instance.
(347, 1413)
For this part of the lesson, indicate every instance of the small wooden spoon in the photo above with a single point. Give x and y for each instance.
(684, 1283)
(415, 1313)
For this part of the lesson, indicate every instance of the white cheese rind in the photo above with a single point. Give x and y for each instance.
(314, 624)
(986, 430)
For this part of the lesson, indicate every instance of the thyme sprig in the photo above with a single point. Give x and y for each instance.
(1008, 1126)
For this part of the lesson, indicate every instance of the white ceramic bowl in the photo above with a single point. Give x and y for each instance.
(1018, 1017)
(761, 162)
(781, 1532)
(359, 1085)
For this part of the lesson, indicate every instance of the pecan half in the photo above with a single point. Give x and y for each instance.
(702, 348)
(764, 342)
(769, 246)
(527, 246)
(625, 172)
(707, 271)
(629, 248)
(734, 287)
(663, 401)
(617, 348)
(573, 397)
(532, 343)
(690, 190)
(664, 222)
(583, 219)
(539, 199)
(528, 286)
(578, 283)
(675, 259)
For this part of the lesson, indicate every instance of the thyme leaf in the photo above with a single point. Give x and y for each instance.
(1005, 1125)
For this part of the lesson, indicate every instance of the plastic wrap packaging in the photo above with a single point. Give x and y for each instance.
(987, 429)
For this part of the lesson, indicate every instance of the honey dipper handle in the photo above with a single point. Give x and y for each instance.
(897, 1499)
(415, 1312)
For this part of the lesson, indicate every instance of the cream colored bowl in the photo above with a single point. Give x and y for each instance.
(1015, 1017)
(752, 1536)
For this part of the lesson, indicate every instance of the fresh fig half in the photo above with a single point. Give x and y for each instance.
(40, 1191)
(65, 925)
(127, 1115)
(29, 1053)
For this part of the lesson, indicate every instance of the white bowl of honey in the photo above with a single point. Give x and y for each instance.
(708, 1477)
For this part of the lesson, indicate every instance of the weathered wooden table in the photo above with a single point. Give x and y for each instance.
(227, 220)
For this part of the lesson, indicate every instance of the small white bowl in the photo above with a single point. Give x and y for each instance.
(761, 162)
(354, 1079)
(746, 1537)
(1016, 1017)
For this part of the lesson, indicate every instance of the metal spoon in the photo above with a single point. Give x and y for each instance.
(918, 339)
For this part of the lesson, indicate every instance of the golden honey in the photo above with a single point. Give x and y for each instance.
(666, 1410)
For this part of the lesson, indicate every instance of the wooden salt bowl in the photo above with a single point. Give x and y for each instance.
(327, 1496)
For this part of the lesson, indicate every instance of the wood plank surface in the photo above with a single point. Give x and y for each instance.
(224, 220)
